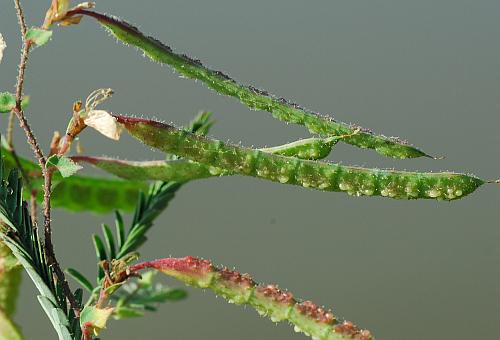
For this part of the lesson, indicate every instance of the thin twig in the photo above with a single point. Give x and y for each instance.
(20, 17)
(22, 68)
(49, 248)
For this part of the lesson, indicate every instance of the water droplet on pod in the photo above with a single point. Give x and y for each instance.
(434, 193)
(214, 170)
(344, 186)
(324, 185)
(262, 172)
(283, 179)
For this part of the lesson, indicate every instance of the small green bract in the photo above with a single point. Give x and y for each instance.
(8, 102)
(38, 36)
(65, 165)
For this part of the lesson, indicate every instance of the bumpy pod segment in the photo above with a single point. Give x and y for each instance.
(269, 300)
(223, 158)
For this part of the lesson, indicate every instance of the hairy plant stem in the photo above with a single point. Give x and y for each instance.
(46, 173)
(10, 126)
(20, 17)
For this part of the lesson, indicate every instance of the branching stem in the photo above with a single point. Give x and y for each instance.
(32, 141)
(10, 126)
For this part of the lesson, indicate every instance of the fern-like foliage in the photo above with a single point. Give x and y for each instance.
(21, 236)
(136, 297)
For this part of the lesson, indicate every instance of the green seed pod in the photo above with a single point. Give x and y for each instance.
(254, 98)
(81, 193)
(172, 170)
(180, 170)
(355, 181)
(10, 280)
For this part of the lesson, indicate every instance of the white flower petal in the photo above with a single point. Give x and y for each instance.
(105, 123)
(3, 45)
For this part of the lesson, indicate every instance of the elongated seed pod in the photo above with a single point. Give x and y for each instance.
(10, 281)
(278, 305)
(81, 193)
(318, 175)
(176, 170)
(252, 97)
(8, 330)
(180, 170)
(98, 195)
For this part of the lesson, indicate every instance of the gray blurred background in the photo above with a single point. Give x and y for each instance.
(428, 71)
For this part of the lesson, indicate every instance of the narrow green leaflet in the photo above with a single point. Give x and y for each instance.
(8, 102)
(56, 316)
(254, 98)
(355, 181)
(38, 36)
(269, 300)
(82, 193)
(80, 278)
